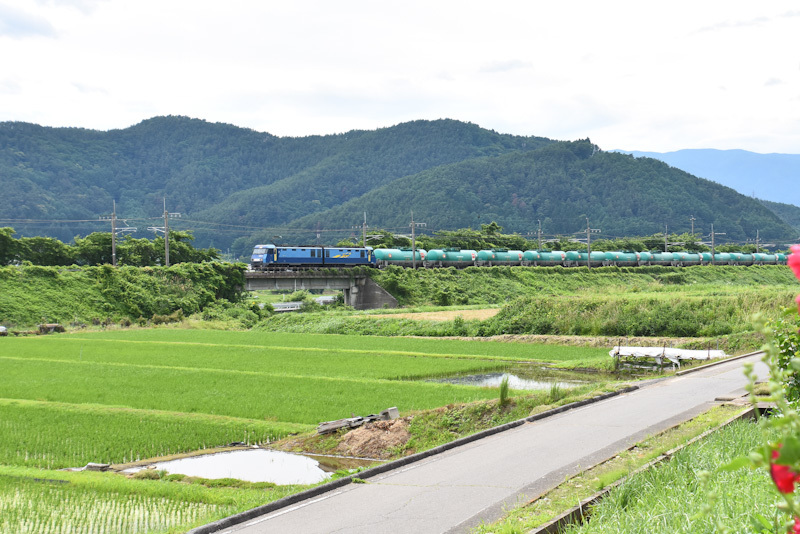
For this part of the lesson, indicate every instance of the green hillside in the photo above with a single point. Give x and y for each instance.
(235, 186)
(562, 184)
(789, 213)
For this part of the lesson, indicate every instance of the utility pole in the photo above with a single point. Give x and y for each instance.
(414, 239)
(114, 235)
(692, 219)
(165, 229)
(539, 235)
(115, 230)
(166, 234)
(364, 231)
(589, 231)
(713, 252)
(666, 244)
(757, 248)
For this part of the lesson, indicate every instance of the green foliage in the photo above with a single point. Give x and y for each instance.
(629, 316)
(8, 246)
(789, 213)
(96, 249)
(33, 294)
(487, 238)
(669, 497)
(452, 174)
(560, 184)
(241, 314)
(498, 285)
(786, 335)
(504, 391)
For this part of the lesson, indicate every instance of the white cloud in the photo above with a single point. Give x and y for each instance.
(17, 23)
(628, 74)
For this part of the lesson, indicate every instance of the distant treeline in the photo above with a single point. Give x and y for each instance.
(490, 236)
(96, 249)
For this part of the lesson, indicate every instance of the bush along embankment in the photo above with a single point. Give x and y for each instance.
(499, 285)
(627, 316)
(103, 295)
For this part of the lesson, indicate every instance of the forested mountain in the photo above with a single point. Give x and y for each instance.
(561, 185)
(772, 177)
(237, 185)
(789, 213)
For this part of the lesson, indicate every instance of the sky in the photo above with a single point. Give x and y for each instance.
(630, 75)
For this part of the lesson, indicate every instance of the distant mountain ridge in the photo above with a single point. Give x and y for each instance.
(234, 186)
(773, 177)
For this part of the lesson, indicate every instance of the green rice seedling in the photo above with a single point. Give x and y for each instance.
(233, 341)
(42, 501)
(504, 391)
(79, 434)
(244, 394)
(556, 392)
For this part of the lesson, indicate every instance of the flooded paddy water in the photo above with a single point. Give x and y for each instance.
(257, 465)
(530, 378)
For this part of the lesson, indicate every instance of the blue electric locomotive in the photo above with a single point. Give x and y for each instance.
(268, 257)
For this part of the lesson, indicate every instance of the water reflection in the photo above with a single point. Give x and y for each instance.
(515, 381)
(253, 465)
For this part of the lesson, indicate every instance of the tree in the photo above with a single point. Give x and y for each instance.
(8, 246)
(94, 249)
(45, 251)
(137, 252)
(491, 229)
(181, 249)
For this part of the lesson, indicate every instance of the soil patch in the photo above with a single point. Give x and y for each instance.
(444, 315)
(375, 440)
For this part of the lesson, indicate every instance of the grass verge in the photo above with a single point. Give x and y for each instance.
(544, 508)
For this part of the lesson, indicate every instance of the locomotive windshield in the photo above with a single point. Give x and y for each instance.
(261, 250)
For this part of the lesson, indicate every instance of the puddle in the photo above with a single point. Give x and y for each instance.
(515, 381)
(257, 465)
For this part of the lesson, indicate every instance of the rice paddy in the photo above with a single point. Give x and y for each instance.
(121, 396)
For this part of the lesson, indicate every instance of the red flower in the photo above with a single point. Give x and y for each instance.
(795, 526)
(794, 260)
(783, 477)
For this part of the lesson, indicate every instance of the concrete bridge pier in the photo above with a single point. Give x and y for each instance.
(360, 291)
(365, 294)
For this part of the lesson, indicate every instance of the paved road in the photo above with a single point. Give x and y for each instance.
(458, 489)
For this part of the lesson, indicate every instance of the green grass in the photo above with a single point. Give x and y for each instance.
(498, 285)
(669, 497)
(545, 508)
(284, 361)
(77, 434)
(34, 500)
(119, 396)
(246, 394)
(122, 395)
(375, 345)
(32, 294)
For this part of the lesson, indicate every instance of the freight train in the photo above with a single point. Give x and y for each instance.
(272, 257)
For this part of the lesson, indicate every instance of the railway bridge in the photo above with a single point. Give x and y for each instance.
(360, 291)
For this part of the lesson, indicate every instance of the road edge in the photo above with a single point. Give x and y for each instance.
(290, 500)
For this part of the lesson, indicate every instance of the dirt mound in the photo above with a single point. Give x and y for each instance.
(374, 440)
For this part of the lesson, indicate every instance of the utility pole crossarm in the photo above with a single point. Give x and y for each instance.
(713, 243)
(414, 226)
(589, 231)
